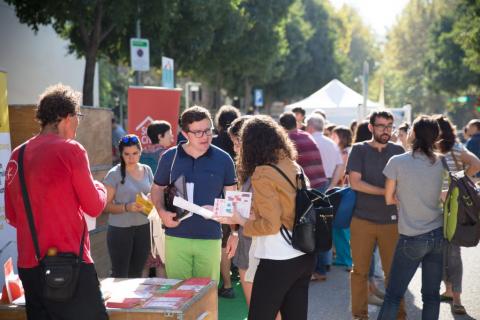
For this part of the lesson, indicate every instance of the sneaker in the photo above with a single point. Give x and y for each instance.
(318, 277)
(374, 300)
(227, 293)
(458, 309)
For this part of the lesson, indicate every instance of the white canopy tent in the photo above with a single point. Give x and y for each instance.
(341, 104)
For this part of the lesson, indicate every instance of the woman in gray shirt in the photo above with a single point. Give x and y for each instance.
(414, 183)
(128, 235)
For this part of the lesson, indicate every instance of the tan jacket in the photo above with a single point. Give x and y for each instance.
(273, 199)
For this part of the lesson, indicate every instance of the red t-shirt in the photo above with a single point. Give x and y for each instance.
(61, 189)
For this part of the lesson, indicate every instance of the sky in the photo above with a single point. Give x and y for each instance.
(379, 14)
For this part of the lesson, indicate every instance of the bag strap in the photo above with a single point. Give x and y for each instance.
(283, 230)
(28, 208)
(283, 175)
(173, 162)
(445, 164)
(455, 159)
(26, 202)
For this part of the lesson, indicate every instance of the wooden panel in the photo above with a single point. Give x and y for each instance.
(94, 132)
(22, 123)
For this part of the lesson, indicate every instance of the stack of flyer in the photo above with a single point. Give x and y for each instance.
(151, 293)
(234, 200)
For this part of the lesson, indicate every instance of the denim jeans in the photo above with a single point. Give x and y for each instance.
(426, 249)
(324, 259)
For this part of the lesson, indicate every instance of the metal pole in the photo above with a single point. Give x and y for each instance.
(138, 31)
(187, 95)
(365, 88)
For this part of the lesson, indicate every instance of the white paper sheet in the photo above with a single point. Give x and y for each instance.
(189, 206)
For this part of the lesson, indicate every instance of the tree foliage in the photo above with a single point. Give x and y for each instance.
(430, 69)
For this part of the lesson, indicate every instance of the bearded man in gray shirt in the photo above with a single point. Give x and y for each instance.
(373, 221)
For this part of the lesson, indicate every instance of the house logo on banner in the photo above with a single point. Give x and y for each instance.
(141, 129)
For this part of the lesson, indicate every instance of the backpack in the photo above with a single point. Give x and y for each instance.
(461, 210)
(312, 226)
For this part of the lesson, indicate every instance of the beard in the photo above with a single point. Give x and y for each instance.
(381, 138)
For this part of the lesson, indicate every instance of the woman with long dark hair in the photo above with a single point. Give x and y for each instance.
(420, 219)
(458, 158)
(283, 274)
(128, 234)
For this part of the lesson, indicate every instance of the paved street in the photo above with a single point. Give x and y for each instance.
(331, 299)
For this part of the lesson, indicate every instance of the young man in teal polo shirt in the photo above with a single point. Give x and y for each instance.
(193, 246)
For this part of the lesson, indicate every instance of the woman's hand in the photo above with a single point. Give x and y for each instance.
(236, 218)
(134, 207)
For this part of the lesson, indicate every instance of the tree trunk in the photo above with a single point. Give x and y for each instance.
(89, 76)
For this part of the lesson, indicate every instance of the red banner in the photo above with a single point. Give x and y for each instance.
(146, 104)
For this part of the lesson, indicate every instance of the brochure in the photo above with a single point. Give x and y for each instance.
(164, 302)
(241, 200)
(143, 200)
(191, 207)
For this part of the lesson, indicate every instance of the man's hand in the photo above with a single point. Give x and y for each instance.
(231, 246)
(168, 219)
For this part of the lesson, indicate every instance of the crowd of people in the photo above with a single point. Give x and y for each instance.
(391, 216)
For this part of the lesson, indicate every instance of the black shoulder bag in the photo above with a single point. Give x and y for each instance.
(173, 189)
(59, 272)
(312, 226)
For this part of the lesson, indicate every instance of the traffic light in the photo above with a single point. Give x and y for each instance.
(477, 103)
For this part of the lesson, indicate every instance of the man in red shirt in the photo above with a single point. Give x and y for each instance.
(309, 157)
(61, 190)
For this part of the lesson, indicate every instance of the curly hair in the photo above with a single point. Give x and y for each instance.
(57, 102)
(236, 125)
(263, 141)
(447, 138)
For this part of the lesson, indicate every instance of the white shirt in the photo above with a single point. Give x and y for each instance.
(331, 156)
(275, 247)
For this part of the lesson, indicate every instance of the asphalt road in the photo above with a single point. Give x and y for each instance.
(331, 299)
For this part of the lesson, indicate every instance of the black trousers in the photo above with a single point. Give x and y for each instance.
(87, 302)
(129, 249)
(281, 285)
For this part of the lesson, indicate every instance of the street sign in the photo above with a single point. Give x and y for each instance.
(139, 54)
(168, 80)
(258, 98)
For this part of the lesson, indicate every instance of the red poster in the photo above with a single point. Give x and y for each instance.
(146, 104)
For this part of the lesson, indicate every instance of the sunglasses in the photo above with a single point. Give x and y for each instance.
(129, 139)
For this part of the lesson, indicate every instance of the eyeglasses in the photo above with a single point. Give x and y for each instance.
(79, 115)
(129, 139)
(383, 127)
(200, 133)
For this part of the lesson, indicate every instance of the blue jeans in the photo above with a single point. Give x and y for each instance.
(426, 249)
(324, 259)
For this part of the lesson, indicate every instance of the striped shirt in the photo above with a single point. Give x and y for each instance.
(309, 157)
(454, 161)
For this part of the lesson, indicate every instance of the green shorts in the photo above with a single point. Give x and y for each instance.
(191, 258)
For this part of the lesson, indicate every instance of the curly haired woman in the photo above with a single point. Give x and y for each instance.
(283, 274)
